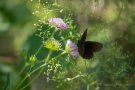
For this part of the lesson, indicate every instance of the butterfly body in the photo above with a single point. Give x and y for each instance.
(87, 48)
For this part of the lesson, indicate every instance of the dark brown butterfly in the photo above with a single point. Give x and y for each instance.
(87, 48)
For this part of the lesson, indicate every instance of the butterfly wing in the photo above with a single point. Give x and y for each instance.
(94, 46)
(83, 38)
(87, 48)
(81, 43)
(90, 48)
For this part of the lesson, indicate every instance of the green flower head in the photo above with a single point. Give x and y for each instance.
(52, 44)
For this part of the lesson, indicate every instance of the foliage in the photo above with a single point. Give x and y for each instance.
(50, 51)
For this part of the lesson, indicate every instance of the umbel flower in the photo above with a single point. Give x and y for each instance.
(52, 44)
(72, 48)
(58, 22)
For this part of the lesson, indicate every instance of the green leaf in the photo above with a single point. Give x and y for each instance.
(7, 82)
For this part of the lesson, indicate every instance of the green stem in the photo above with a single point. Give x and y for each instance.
(38, 68)
(45, 63)
(24, 78)
(30, 73)
(27, 65)
(86, 66)
(59, 55)
(24, 67)
(88, 87)
(22, 81)
(33, 79)
(53, 33)
(49, 54)
(39, 49)
(42, 68)
(29, 70)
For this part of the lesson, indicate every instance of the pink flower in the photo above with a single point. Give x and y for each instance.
(72, 48)
(58, 22)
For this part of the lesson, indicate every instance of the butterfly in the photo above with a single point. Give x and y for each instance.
(87, 48)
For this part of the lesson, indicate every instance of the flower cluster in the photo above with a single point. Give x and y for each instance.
(58, 22)
(70, 48)
(56, 36)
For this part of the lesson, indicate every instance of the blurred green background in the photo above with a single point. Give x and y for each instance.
(111, 22)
